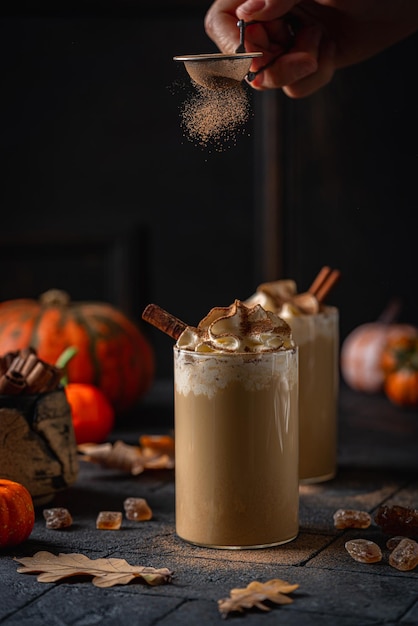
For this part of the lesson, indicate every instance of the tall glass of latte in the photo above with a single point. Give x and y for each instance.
(236, 430)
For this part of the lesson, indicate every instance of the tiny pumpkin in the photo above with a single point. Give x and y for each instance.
(92, 414)
(400, 367)
(17, 514)
(401, 387)
(112, 352)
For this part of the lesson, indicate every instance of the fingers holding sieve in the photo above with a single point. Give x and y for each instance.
(277, 36)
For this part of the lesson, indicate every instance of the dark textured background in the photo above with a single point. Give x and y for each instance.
(103, 195)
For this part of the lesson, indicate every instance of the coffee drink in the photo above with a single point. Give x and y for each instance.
(236, 430)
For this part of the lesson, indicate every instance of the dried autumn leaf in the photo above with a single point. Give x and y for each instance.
(156, 453)
(254, 594)
(105, 572)
(119, 456)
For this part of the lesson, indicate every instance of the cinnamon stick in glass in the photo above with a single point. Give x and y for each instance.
(163, 320)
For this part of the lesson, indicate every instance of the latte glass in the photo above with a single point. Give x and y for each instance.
(236, 432)
(317, 337)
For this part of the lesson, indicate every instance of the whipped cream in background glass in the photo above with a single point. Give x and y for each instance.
(236, 425)
(315, 330)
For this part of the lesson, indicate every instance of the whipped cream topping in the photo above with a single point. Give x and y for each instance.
(281, 297)
(238, 328)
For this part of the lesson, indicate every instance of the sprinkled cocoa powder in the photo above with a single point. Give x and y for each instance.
(214, 117)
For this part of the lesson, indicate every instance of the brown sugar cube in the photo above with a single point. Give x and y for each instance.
(57, 518)
(364, 551)
(137, 509)
(351, 518)
(405, 556)
(109, 520)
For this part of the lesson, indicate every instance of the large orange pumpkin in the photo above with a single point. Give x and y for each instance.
(112, 353)
(17, 514)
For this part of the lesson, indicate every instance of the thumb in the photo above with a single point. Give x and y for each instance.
(264, 10)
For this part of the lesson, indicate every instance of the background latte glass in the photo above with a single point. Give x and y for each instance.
(317, 338)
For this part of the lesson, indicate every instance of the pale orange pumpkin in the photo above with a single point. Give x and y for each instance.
(361, 353)
(112, 353)
(17, 514)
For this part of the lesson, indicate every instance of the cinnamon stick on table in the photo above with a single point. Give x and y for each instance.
(163, 320)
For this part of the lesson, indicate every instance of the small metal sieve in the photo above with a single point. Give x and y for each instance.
(220, 71)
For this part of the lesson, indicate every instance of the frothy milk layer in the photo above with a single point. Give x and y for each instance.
(305, 326)
(206, 374)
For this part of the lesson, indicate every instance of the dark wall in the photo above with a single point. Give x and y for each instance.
(98, 177)
(351, 197)
(102, 193)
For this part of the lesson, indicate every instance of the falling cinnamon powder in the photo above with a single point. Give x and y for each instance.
(214, 117)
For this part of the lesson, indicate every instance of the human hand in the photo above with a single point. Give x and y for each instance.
(329, 34)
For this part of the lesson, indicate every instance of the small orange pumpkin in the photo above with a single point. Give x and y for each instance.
(401, 387)
(112, 353)
(17, 514)
(400, 367)
(92, 414)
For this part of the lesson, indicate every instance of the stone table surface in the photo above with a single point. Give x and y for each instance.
(378, 463)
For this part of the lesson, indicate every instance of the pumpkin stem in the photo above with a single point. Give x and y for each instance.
(63, 360)
(391, 312)
(55, 297)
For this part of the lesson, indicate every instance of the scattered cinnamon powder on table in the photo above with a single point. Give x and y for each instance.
(214, 117)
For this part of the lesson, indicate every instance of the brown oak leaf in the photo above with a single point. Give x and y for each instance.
(254, 595)
(105, 572)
